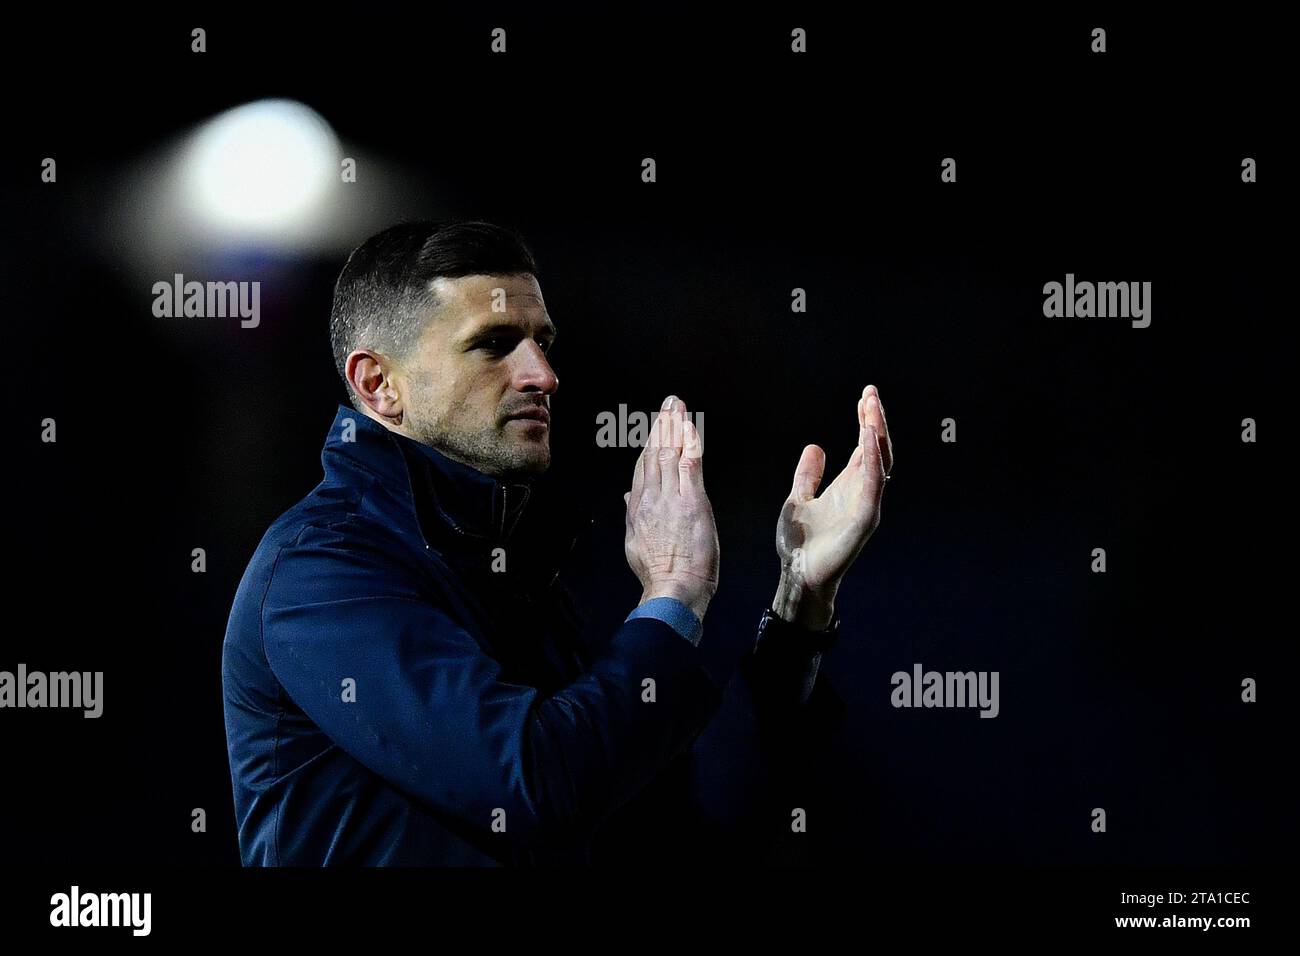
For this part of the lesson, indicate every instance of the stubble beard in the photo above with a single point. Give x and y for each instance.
(489, 450)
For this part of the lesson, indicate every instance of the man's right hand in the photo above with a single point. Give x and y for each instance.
(671, 541)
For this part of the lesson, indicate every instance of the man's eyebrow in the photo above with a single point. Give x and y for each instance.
(503, 327)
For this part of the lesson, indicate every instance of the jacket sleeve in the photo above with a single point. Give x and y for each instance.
(766, 756)
(427, 709)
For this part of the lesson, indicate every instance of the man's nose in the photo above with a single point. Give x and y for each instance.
(533, 372)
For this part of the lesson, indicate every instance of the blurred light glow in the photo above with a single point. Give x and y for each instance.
(262, 168)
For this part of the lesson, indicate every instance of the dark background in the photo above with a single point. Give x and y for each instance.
(1119, 690)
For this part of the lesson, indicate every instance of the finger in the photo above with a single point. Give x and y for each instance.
(868, 419)
(675, 431)
(674, 434)
(670, 447)
(691, 466)
(808, 474)
(862, 453)
(650, 468)
(633, 497)
(859, 452)
(873, 470)
(874, 413)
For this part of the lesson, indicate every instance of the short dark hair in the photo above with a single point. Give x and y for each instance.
(382, 296)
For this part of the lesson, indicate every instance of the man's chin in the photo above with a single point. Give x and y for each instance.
(527, 460)
(523, 473)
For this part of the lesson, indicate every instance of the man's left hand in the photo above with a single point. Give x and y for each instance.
(819, 537)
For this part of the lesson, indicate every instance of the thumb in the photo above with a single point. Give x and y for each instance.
(808, 475)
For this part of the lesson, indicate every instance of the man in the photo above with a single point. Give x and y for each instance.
(403, 679)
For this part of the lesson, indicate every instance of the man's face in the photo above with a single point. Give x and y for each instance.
(477, 384)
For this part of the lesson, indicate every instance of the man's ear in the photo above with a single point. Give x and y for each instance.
(371, 376)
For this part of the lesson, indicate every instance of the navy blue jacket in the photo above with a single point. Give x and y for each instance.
(393, 697)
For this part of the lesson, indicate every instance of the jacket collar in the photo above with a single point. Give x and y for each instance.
(458, 508)
(471, 503)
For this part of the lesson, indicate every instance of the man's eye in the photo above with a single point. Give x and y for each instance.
(496, 345)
